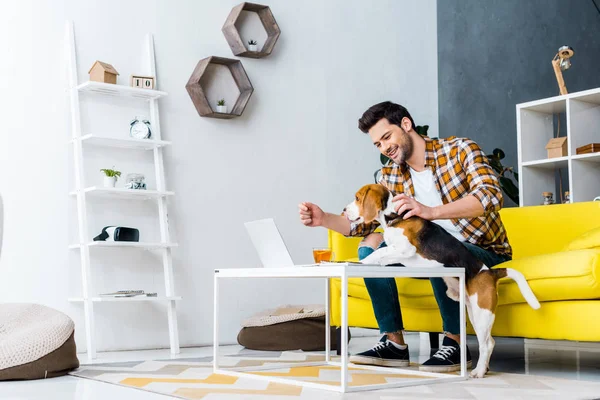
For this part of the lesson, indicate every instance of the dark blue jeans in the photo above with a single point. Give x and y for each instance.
(384, 294)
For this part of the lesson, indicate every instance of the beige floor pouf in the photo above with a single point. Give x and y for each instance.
(36, 342)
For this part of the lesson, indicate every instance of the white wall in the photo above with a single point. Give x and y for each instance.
(297, 141)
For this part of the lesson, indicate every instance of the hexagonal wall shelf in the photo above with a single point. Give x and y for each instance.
(240, 16)
(203, 85)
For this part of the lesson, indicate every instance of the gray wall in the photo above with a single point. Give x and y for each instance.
(495, 54)
(298, 140)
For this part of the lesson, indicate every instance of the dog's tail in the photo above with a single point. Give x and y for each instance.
(521, 282)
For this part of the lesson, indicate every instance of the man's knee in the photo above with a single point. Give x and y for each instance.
(373, 240)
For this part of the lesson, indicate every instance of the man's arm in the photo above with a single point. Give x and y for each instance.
(482, 180)
(467, 207)
(312, 215)
(337, 223)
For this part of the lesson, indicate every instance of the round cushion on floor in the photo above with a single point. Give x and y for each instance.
(35, 342)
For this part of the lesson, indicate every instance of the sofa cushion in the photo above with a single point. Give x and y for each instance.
(587, 240)
(569, 275)
(573, 275)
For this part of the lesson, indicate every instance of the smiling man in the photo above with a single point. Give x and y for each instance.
(447, 181)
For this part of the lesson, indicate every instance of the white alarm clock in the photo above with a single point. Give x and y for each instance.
(140, 129)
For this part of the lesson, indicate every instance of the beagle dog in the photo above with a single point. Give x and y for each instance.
(417, 242)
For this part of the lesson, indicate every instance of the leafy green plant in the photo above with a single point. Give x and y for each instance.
(507, 185)
(251, 42)
(111, 172)
(221, 102)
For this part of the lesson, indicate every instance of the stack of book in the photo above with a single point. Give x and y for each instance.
(128, 293)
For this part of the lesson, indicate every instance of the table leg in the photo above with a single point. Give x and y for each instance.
(463, 328)
(216, 324)
(344, 335)
(327, 326)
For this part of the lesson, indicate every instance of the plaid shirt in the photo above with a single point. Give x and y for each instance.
(460, 168)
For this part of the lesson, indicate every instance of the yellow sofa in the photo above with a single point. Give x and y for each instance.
(566, 282)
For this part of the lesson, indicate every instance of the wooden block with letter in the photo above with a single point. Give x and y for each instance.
(143, 82)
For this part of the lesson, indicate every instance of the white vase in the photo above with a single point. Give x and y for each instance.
(253, 47)
(109, 181)
(222, 109)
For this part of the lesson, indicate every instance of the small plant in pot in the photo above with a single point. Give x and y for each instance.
(110, 177)
(221, 107)
(252, 45)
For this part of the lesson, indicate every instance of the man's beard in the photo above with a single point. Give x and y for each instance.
(405, 151)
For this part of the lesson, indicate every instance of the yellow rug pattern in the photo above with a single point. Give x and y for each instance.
(194, 379)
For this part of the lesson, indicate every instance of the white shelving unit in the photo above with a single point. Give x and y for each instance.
(535, 128)
(125, 299)
(124, 143)
(82, 193)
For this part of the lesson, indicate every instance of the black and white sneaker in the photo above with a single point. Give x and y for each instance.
(384, 354)
(446, 359)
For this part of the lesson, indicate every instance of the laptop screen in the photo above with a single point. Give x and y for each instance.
(269, 244)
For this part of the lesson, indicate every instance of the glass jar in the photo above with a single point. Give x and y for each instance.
(548, 198)
(135, 181)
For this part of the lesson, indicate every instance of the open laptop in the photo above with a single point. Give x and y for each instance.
(269, 244)
(271, 248)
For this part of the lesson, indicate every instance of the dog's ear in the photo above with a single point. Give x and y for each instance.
(371, 205)
(385, 196)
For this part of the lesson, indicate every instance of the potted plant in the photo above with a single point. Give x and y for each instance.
(110, 177)
(504, 173)
(221, 107)
(252, 45)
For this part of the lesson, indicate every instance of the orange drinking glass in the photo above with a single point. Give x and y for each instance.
(321, 254)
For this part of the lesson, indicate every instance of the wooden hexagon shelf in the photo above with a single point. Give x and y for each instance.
(232, 33)
(201, 78)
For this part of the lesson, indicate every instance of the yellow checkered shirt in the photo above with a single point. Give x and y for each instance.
(460, 168)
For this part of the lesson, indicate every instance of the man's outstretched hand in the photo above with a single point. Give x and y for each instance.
(311, 214)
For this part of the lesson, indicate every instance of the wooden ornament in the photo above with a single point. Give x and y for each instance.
(103, 72)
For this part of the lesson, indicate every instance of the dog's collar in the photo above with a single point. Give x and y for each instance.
(393, 217)
(390, 218)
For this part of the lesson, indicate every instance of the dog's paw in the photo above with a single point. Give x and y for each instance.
(478, 372)
(369, 260)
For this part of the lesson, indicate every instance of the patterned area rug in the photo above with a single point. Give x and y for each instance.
(194, 379)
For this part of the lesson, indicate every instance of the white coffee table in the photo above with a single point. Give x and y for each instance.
(342, 271)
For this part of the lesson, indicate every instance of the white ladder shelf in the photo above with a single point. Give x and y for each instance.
(160, 195)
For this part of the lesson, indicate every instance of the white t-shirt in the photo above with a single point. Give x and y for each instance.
(427, 194)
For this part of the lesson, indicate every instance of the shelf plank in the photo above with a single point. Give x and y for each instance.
(123, 299)
(551, 105)
(119, 90)
(589, 96)
(141, 245)
(125, 143)
(591, 157)
(122, 193)
(557, 104)
(549, 163)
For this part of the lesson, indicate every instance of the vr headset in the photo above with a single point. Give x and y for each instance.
(118, 234)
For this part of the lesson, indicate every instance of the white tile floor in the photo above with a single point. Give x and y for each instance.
(508, 357)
